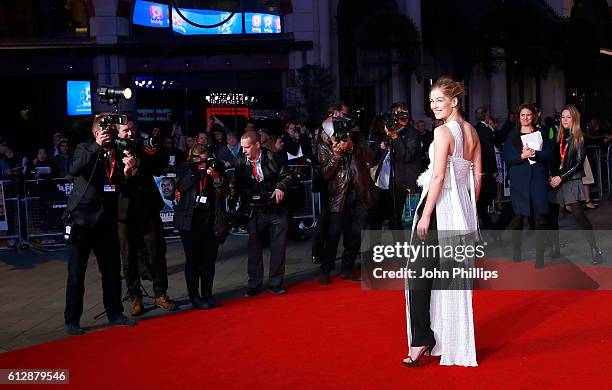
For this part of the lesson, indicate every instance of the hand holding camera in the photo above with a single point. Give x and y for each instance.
(103, 137)
(278, 195)
(130, 163)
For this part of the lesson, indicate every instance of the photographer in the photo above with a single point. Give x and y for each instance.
(99, 170)
(260, 182)
(398, 163)
(343, 158)
(140, 226)
(199, 218)
(337, 110)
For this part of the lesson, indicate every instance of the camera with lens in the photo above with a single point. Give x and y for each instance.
(342, 128)
(392, 120)
(148, 144)
(261, 199)
(110, 123)
(199, 164)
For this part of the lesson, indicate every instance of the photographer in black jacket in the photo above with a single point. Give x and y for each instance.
(99, 171)
(261, 181)
(199, 218)
(398, 162)
(141, 231)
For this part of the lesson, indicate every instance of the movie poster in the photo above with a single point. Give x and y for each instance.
(3, 220)
(167, 188)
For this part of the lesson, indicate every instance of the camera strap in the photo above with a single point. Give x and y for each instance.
(202, 183)
(110, 170)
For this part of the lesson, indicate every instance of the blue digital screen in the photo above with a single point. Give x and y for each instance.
(262, 23)
(78, 95)
(206, 17)
(150, 14)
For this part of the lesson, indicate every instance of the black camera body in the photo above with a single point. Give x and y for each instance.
(261, 199)
(342, 128)
(151, 143)
(392, 120)
(110, 121)
(198, 164)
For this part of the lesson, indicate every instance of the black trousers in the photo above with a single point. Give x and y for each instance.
(349, 223)
(320, 234)
(487, 194)
(141, 239)
(272, 221)
(419, 295)
(541, 223)
(581, 220)
(201, 247)
(390, 208)
(102, 238)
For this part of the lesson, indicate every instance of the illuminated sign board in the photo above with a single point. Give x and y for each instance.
(262, 23)
(157, 15)
(78, 96)
(150, 14)
(206, 17)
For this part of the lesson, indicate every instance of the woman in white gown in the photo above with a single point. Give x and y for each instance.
(439, 313)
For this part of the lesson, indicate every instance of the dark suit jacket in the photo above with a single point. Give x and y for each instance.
(276, 175)
(88, 202)
(341, 170)
(528, 182)
(489, 165)
(406, 158)
(139, 194)
(187, 183)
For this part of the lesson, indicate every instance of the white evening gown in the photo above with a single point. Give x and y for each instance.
(452, 319)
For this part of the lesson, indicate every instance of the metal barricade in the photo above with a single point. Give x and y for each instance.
(304, 201)
(595, 152)
(45, 202)
(10, 214)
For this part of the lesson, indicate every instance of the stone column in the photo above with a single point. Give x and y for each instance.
(413, 11)
(499, 87)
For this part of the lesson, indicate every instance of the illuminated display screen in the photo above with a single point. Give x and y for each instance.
(206, 17)
(78, 95)
(262, 23)
(150, 14)
(157, 15)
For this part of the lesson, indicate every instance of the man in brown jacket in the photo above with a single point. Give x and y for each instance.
(350, 194)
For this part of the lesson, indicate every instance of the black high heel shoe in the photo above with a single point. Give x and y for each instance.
(413, 363)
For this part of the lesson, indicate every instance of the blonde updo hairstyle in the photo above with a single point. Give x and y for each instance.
(450, 88)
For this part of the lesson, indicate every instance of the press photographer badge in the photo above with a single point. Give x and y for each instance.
(201, 199)
(109, 188)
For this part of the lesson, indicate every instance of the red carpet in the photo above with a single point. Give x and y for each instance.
(341, 337)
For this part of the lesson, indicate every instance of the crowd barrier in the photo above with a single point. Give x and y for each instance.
(10, 215)
(44, 203)
(304, 202)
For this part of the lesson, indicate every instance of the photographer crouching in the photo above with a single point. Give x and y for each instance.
(260, 183)
(343, 158)
(141, 232)
(99, 171)
(200, 219)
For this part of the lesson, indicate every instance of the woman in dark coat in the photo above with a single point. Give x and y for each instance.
(566, 180)
(528, 173)
(199, 219)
